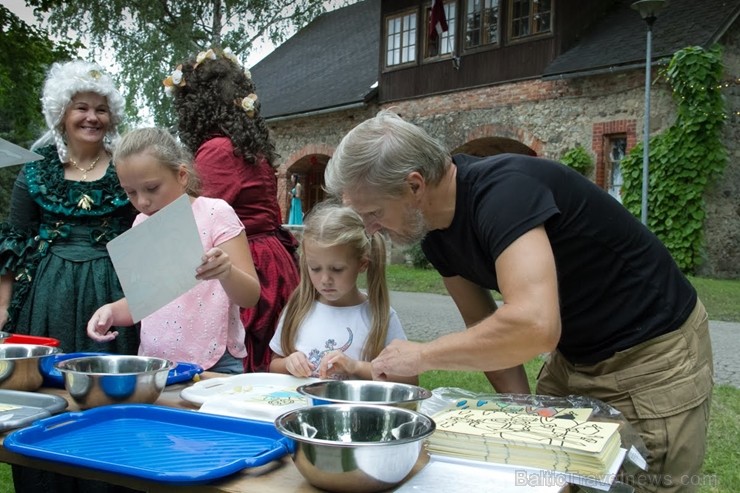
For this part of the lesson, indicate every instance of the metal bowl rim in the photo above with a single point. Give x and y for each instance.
(305, 390)
(60, 365)
(51, 350)
(283, 418)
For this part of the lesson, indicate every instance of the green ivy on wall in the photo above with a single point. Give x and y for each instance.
(579, 159)
(684, 159)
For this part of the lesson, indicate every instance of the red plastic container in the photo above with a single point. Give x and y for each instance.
(24, 339)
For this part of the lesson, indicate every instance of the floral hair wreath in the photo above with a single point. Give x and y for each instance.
(247, 104)
(176, 78)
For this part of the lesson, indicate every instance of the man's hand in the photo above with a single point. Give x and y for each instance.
(402, 358)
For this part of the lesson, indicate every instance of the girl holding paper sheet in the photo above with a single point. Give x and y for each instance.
(203, 325)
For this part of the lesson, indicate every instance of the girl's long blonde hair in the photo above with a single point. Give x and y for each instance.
(330, 224)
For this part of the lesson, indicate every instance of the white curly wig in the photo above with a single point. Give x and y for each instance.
(63, 82)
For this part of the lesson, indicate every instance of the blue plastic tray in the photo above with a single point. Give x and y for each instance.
(183, 372)
(152, 442)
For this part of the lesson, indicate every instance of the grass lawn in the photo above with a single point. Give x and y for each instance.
(720, 297)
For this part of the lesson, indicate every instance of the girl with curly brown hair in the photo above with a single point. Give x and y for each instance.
(219, 120)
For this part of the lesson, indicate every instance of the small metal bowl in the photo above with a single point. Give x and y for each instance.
(19, 365)
(355, 447)
(114, 379)
(365, 392)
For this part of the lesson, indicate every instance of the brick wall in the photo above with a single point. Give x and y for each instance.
(546, 118)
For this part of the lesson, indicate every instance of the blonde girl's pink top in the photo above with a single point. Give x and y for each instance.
(199, 326)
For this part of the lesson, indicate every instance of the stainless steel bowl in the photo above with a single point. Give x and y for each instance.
(19, 365)
(114, 379)
(365, 392)
(355, 447)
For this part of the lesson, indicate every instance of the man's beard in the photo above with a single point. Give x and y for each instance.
(415, 228)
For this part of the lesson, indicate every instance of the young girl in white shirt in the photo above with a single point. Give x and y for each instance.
(329, 328)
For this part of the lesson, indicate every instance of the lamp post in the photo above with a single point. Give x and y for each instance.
(648, 10)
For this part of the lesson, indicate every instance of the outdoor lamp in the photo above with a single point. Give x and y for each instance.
(648, 10)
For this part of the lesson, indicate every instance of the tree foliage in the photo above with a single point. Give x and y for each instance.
(148, 38)
(25, 55)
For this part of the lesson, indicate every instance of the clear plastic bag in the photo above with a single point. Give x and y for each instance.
(445, 398)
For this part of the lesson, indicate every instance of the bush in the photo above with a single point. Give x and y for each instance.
(579, 159)
(418, 259)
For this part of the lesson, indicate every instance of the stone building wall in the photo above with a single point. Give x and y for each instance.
(550, 117)
(722, 226)
(296, 138)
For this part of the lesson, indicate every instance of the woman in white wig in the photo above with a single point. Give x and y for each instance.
(64, 209)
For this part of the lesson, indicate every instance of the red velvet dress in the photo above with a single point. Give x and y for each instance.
(251, 189)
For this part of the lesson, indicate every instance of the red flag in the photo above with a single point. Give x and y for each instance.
(437, 20)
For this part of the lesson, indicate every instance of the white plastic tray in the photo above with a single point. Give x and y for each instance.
(260, 396)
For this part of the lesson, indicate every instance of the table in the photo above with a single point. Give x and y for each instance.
(275, 477)
(278, 476)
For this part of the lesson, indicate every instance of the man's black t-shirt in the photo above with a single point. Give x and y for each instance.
(618, 284)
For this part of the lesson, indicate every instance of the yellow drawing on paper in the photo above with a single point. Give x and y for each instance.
(269, 395)
(576, 413)
(568, 445)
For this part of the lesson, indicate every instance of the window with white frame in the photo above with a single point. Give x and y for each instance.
(481, 22)
(443, 44)
(530, 18)
(617, 148)
(400, 46)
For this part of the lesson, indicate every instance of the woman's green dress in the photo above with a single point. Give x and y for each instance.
(55, 244)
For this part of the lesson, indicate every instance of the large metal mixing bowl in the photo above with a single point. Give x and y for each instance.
(114, 379)
(355, 447)
(19, 365)
(365, 392)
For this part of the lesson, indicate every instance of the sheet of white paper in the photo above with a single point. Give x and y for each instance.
(11, 154)
(461, 476)
(515, 478)
(155, 261)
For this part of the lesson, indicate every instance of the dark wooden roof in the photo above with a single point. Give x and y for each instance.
(330, 63)
(333, 62)
(619, 39)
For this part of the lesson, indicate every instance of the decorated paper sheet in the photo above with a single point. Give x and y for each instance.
(556, 443)
(576, 413)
